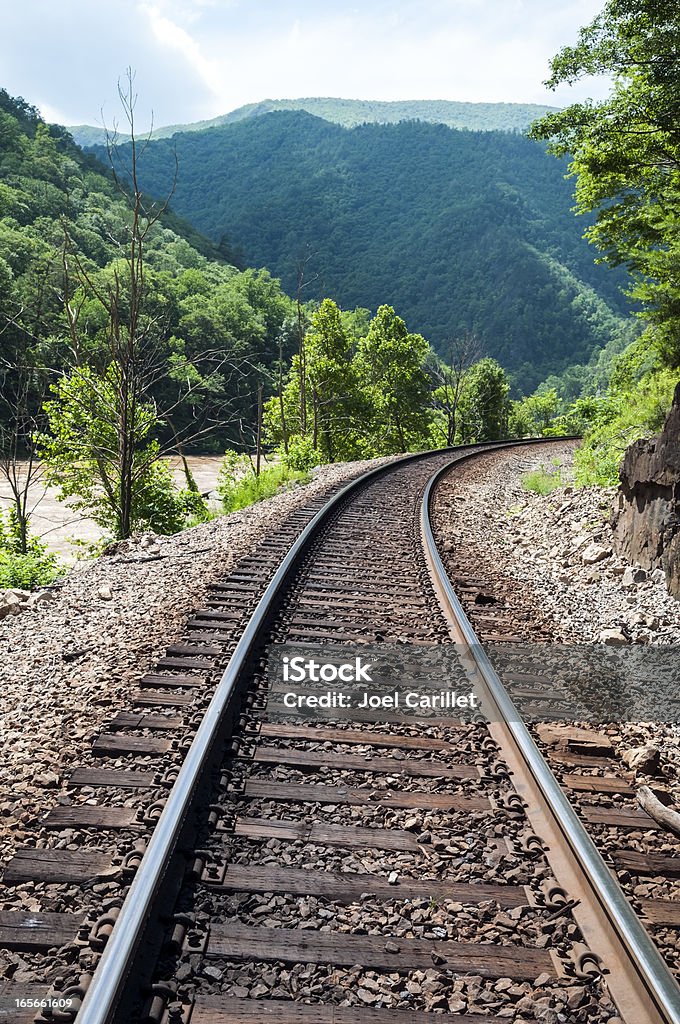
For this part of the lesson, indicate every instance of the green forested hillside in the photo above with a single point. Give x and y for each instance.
(121, 343)
(481, 117)
(457, 230)
(64, 242)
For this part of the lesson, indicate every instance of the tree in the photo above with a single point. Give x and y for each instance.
(533, 416)
(626, 149)
(333, 416)
(130, 378)
(27, 357)
(332, 381)
(449, 374)
(23, 386)
(391, 363)
(83, 454)
(484, 404)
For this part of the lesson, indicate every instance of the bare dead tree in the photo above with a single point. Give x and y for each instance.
(138, 380)
(26, 369)
(23, 386)
(461, 353)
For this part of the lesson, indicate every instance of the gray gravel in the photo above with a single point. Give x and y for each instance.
(554, 551)
(68, 664)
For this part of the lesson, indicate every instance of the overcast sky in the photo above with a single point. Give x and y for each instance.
(195, 59)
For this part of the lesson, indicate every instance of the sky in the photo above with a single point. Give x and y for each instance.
(196, 59)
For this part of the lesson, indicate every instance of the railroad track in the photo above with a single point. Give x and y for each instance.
(331, 868)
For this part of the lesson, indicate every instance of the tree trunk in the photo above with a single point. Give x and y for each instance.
(259, 431)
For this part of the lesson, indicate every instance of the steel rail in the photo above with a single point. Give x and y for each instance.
(102, 996)
(654, 984)
(104, 992)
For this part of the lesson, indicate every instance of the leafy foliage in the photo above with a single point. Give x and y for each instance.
(60, 209)
(533, 416)
(238, 486)
(484, 403)
(140, 351)
(24, 569)
(81, 457)
(360, 389)
(353, 395)
(622, 417)
(626, 160)
(626, 150)
(543, 480)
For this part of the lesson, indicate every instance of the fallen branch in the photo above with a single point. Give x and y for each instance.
(665, 816)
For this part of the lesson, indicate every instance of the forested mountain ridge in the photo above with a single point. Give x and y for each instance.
(511, 117)
(458, 230)
(64, 234)
(120, 343)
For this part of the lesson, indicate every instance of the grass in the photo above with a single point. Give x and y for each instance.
(249, 489)
(543, 481)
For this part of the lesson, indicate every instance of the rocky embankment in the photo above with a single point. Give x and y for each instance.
(550, 560)
(646, 523)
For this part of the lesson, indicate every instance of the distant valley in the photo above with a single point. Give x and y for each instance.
(458, 230)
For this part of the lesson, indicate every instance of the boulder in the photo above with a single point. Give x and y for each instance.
(632, 575)
(595, 553)
(613, 637)
(643, 759)
(646, 517)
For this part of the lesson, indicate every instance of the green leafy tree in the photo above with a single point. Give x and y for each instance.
(82, 455)
(534, 416)
(391, 363)
(484, 405)
(626, 149)
(317, 415)
(332, 384)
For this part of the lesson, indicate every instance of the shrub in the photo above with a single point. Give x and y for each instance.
(238, 486)
(542, 481)
(160, 506)
(301, 455)
(27, 570)
(625, 417)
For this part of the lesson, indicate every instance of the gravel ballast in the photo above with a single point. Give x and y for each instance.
(550, 557)
(70, 661)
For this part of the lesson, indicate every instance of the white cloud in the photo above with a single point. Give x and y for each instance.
(173, 37)
(198, 58)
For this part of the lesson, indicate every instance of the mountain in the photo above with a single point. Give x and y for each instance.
(64, 231)
(456, 229)
(484, 117)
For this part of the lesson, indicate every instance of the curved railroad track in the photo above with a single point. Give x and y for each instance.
(346, 867)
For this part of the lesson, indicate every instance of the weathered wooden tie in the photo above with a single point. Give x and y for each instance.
(231, 1010)
(318, 834)
(309, 793)
(349, 887)
(244, 942)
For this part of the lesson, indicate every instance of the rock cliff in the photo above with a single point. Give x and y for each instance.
(647, 515)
